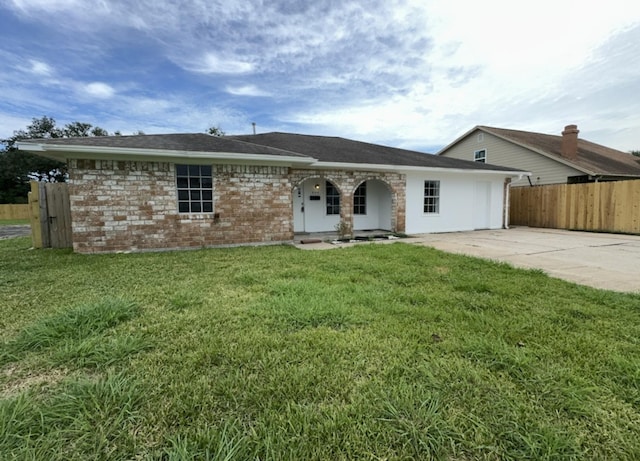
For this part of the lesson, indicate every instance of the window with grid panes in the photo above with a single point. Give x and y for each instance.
(480, 156)
(333, 198)
(432, 196)
(195, 188)
(360, 199)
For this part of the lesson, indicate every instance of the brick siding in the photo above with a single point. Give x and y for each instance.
(132, 206)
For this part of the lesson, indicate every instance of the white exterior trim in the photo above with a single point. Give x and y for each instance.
(406, 169)
(63, 152)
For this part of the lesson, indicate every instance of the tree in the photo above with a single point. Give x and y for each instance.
(216, 131)
(17, 168)
(635, 153)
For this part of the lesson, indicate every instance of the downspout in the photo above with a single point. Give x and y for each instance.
(506, 205)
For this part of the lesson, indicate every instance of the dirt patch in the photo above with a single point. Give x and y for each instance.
(19, 380)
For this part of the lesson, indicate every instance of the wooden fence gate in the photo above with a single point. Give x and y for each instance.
(50, 215)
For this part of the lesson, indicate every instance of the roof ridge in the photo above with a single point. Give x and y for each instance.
(269, 147)
(520, 131)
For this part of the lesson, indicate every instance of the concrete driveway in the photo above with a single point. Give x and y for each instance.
(609, 261)
(14, 231)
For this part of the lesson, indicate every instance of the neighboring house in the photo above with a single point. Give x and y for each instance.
(550, 159)
(150, 192)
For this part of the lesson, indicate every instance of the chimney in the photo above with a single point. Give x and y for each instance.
(569, 148)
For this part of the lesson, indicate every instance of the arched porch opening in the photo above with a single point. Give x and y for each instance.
(373, 206)
(316, 205)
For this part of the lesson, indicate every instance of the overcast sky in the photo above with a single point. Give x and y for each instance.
(407, 73)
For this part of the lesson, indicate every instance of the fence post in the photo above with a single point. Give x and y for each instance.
(44, 215)
(34, 215)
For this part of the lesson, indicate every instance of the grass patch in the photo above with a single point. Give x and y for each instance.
(80, 419)
(14, 222)
(71, 327)
(371, 352)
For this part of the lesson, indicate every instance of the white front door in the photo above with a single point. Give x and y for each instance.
(298, 209)
(482, 206)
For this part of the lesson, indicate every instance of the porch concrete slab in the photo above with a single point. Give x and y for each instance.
(608, 261)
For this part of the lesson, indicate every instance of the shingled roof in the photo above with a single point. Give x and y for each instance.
(324, 149)
(592, 158)
(185, 142)
(340, 150)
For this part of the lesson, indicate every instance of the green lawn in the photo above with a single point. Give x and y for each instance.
(273, 353)
(14, 222)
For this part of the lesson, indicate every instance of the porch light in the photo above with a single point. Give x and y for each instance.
(317, 187)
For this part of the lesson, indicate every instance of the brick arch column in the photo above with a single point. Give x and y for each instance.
(395, 184)
(348, 181)
(346, 209)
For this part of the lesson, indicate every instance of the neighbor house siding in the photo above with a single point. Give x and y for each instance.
(500, 152)
(132, 206)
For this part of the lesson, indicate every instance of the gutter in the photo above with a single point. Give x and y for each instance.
(64, 152)
(410, 168)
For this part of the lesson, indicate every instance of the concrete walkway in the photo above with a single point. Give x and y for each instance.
(14, 231)
(608, 261)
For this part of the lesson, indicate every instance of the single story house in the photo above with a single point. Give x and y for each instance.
(151, 192)
(551, 159)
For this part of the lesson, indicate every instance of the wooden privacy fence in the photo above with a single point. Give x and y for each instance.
(50, 215)
(602, 206)
(14, 211)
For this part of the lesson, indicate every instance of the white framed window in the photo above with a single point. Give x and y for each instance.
(333, 199)
(480, 156)
(360, 200)
(195, 188)
(431, 197)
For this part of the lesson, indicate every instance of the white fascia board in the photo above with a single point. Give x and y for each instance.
(64, 152)
(406, 168)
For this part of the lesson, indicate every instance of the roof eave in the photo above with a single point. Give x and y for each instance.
(409, 168)
(65, 152)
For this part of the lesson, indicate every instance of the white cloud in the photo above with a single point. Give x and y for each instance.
(412, 72)
(99, 90)
(213, 64)
(46, 5)
(40, 68)
(9, 124)
(246, 90)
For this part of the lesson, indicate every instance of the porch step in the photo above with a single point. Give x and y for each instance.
(307, 241)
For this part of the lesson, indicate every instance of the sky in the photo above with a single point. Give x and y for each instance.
(414, 74)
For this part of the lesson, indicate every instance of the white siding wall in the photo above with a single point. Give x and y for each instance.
(500, 152)
(378, 208)
(457, 202)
